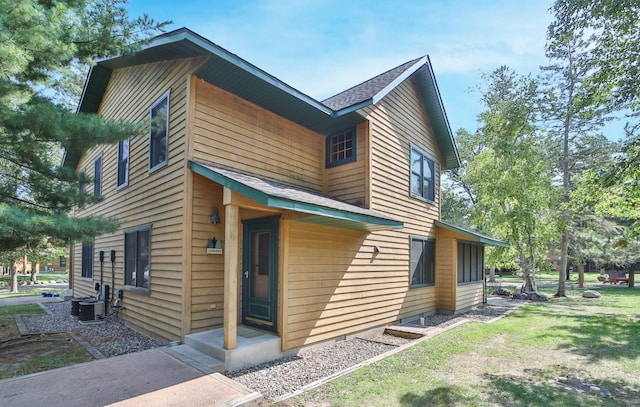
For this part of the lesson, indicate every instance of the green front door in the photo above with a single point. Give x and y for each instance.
(260, 272)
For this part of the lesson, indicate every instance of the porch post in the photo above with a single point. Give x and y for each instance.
(231, 254)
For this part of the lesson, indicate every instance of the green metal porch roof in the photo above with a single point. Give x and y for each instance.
(475, 236)
(320, 209)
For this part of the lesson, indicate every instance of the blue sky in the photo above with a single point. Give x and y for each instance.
(322, 47)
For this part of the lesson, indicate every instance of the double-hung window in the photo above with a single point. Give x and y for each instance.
(137, 251)
(341, 148)
(159, 134)
(470, 262)
(87, 260)
(97, 176)
(423, 262)
(423, 178)
(123, 163)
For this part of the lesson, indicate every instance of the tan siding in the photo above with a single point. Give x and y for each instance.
(149, 199)
(232, 132)
(207, 272)
(347, 182)
(469, 295)
(446, 277)
(336, 285)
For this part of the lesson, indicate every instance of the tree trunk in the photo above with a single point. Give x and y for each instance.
(580, 276)
(562, 274)
(632, 277)
(35, 271)
(492, 274)
(14, 274)
(529, 281)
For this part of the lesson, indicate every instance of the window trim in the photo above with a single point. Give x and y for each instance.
(87, 268)
(423, 240)
(352, 132)
(434, 177)
(144, 290)
(97, 178)
(118, 161)
(158, 102)
(458, 265)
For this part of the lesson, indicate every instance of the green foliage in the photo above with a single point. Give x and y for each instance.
(43, 46)
(508, 172)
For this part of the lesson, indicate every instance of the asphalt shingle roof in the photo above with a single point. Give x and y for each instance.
(367, 89)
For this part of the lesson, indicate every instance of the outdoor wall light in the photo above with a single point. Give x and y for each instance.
(215, 218)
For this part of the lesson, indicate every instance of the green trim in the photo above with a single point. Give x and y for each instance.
(474, 236)
(341, 218)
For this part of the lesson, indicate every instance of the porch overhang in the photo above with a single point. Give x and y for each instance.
(316, 208)
(472, 235)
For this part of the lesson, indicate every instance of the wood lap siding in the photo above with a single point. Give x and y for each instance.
(154, 199)
(396, 122)
(469, 295)
(347, 182)
(207, 271)
(332, 288)
(234, 133)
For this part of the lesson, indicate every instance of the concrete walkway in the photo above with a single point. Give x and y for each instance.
(149, 378)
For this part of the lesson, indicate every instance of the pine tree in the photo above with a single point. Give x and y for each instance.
(42, 44)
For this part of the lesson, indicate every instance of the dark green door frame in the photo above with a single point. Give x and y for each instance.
(260, 272)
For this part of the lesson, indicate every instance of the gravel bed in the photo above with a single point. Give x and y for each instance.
(283, 376)
(277, 378)
(111, 338)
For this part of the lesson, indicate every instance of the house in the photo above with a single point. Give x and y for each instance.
(252, 207)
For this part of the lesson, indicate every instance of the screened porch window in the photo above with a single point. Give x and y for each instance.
(470, 262)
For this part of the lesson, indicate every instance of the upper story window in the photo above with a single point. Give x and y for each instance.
(159, 137)
(470, 262)
(423, 178)
(97, 176)
(123, 163)
(423, 262)
(341, 148)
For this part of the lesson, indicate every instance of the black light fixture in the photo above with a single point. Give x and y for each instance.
(215, 218)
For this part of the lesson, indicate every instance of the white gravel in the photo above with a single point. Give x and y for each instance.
(110, 338)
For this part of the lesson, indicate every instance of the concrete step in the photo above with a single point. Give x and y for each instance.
(193, 357)
(252, 348)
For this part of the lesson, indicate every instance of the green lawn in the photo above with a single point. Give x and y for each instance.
(33, 290)
(23, 355)
(512, 362)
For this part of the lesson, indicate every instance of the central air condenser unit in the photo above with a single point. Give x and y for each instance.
(91, 311)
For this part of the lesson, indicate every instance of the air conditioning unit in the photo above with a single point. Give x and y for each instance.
(91, 311)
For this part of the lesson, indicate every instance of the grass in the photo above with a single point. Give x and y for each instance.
(32, 290)
(33, 353)
(515, 361)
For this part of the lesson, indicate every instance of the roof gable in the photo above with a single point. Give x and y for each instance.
(233, 74)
